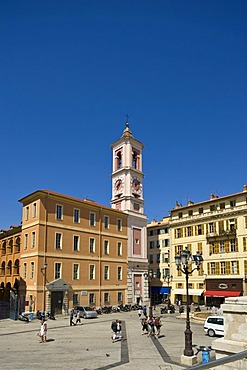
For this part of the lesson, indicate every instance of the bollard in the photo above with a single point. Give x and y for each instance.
(205, 356)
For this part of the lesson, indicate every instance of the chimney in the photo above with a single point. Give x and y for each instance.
(190, 202)
(212, 196)
(245, 188)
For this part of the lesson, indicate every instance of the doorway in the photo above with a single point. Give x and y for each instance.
(56, 302)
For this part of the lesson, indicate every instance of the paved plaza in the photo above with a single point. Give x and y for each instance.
(89, 346)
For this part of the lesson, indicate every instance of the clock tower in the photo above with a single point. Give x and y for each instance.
(127, 195)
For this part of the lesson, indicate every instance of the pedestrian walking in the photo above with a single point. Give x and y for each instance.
(144, 310)
(43, 331)
(157, 325)
(151, 328)
(144, 324)
(78, 318)
(71, 316)
(116, 327)
(140, 312)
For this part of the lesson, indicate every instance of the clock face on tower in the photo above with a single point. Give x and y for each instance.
(136, 185)
(118, 185)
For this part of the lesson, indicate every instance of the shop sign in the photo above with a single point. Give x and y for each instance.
(222, 286)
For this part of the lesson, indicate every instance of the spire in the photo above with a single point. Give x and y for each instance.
(127, 132)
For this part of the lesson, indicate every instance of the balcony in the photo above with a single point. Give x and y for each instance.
(221, 235)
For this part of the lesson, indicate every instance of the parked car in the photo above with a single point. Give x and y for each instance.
(86, 312)
(214, 325)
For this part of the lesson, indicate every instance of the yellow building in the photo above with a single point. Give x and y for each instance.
(72, 251)
(217, 228)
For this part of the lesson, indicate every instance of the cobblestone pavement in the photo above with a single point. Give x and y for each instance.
(89, 346)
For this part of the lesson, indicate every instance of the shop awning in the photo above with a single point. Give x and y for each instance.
(222, 293)
(191, 291)
(160, 289)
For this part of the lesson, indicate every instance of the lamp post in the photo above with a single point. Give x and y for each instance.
(168, 279)
(43, 270)
(183, 264)
(150, 276)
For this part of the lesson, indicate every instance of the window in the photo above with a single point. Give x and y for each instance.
(91, 245)
(27, 213)
(222, 205)
(234, 267)
(232, 245)
(179, 233)
(200, 210)
(233, 203)
(75, 271)
(212, 207)
(163, 257)
(222, 268)
(106, 273)
(58, 241)
(119, 249)
(33, 239)
(58, 269)
(232, 224)
(25, 241)
(76, 216)
(199, 229)
(106, 222)
(119, 273)
(151, 258)
(106, 246)
(180, 215)
(34, 210)
(119, 224)
(120, 297)
(76, 243)
(222, 246)
(75, 299)
(91, 272)
(24, 270)
(92, 219)
(190, 212)
(189, 231)
(158, 258)
(212, 268)
(106, 298)
(211, 227)
(91, 298)
(59, 212)
(32, 270)
(151, 244)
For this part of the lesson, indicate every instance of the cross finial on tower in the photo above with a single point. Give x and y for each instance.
(127, 121)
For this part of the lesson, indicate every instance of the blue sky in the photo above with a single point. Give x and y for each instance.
(71, 70)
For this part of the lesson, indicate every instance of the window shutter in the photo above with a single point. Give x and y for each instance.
(227, 246)
(228, 268)
(244, 244)
(217, 248)
(236, 244)
(236, 223)
(217, 268)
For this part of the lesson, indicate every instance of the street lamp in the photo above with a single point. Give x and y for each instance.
(183, 264)
(43, 270)
(168, 279)
(150, 276)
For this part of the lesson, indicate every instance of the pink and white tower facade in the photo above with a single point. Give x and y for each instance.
(127, 195)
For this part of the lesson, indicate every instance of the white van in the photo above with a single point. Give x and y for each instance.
(214, 325)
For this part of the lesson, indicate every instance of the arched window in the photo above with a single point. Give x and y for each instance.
(17, 244)
(119, 160)
(9, 266)
(134, 160)
(16, 267)
(3, 269)
(4, 248)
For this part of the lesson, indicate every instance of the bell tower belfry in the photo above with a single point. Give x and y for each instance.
(127, 195)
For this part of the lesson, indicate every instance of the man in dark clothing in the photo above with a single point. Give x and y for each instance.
(71, 315)
(114, 328)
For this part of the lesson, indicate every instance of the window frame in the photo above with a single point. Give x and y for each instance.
(59, 212)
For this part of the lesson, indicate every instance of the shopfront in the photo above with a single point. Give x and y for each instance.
(219, 289)
(160, 294)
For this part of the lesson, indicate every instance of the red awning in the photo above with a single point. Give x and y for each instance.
(221, 293)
